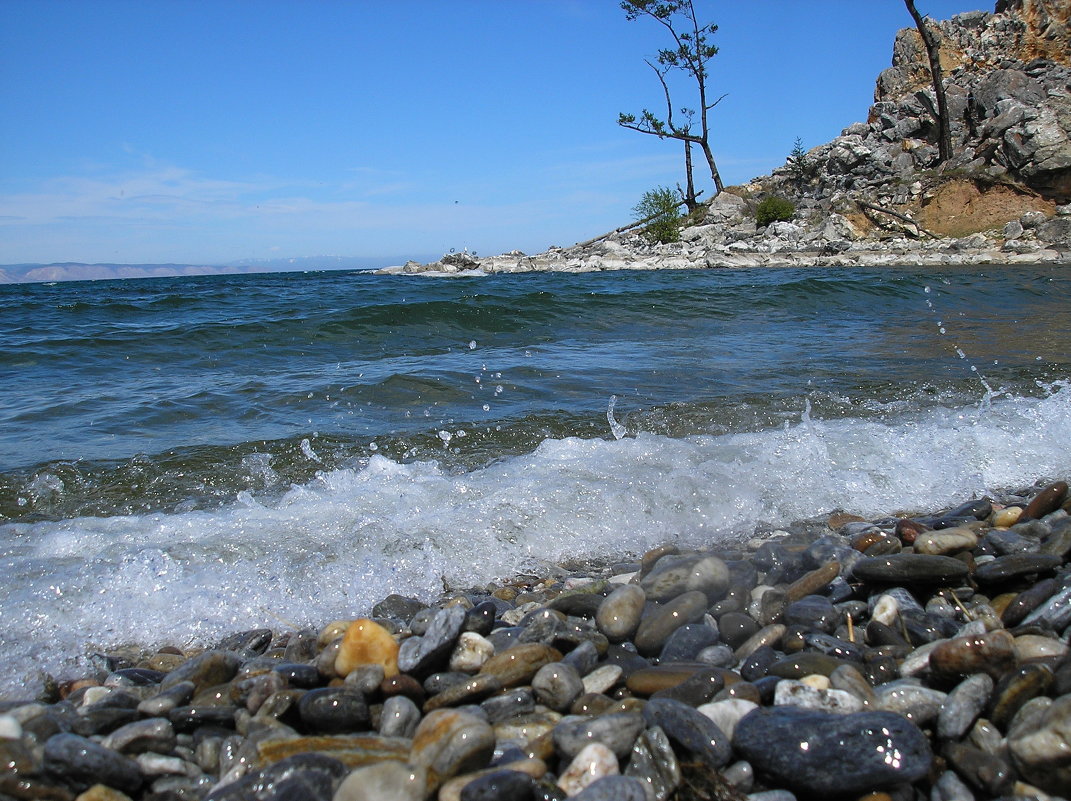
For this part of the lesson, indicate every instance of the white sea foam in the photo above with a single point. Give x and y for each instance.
(334, 546)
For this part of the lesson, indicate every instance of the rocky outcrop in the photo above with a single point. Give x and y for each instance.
(876, 194)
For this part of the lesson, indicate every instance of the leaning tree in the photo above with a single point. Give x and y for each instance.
(933, 53)
(690, 53)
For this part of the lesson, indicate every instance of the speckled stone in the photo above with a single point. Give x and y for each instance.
(823, 753)
(654, 763)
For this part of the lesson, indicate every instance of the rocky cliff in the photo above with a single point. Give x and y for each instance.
(876, 194)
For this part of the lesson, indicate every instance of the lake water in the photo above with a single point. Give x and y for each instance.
(181, 458)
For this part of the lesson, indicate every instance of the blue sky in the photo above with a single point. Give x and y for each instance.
(205, 132)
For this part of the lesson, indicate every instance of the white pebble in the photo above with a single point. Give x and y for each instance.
(593, 762)
(602, 679)
(11, 729)
(471, 651)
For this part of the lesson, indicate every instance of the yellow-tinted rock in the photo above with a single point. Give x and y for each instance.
(517, 665)
(1008, 516)
(352, 751)
(367, 643)
(332, 631)
(100, 792)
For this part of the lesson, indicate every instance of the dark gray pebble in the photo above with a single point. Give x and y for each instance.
(420, 655)
(686, 642)
(911, 568)
(501, 785)
(398, 607)
(617, 731)
(333, 710)
(82, 763)
(825, 753)
(690, 729)
(1013, 566)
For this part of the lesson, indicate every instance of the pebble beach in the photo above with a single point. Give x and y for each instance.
(917, 656)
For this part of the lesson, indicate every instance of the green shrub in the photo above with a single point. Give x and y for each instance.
(772, 209)
(661, 204)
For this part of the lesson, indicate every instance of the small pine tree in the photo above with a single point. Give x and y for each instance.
(800, 167)
(660, 207)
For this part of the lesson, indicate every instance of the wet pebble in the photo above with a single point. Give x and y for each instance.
(690, 729)
(82, 763)
(824, 753)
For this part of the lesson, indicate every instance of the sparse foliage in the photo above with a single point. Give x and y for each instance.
(772, 209)
(690, 53)
(660, 207)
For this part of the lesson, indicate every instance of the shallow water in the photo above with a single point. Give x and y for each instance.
(183, 457)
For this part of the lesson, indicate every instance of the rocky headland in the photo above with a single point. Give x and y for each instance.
(875, 196)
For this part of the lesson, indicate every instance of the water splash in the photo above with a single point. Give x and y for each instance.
(990, 393)
(616, 428)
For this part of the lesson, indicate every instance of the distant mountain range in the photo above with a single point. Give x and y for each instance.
(77, 271)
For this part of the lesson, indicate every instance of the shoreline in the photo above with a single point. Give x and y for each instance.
(681, 671)
(727, 237)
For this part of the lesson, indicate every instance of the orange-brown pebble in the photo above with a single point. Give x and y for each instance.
(863, 541)
(1048, 500)
(908, 530)
(367, 643)
(403, 684)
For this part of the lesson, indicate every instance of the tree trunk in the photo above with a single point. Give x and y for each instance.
(933, 53)
(714, 174)
(689, 191)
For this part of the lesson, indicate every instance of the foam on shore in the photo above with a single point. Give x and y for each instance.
(336, 545)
